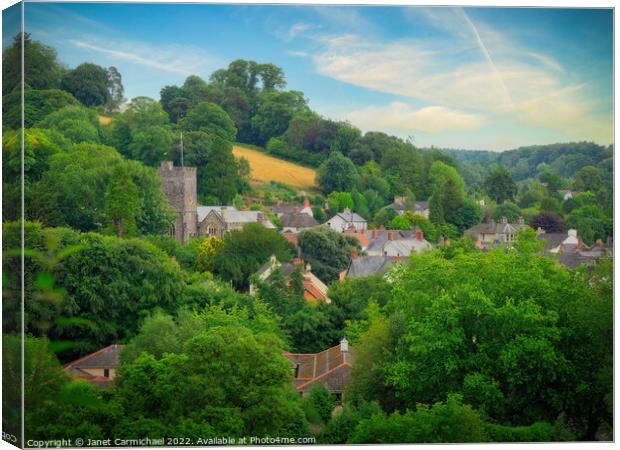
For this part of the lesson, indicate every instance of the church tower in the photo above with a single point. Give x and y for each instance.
(179, 186)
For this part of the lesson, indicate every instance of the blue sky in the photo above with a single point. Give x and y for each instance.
(478, 78)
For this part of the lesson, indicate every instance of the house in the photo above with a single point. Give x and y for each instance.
(99, 367)
(331, 367)
(400, 206)
(363, 266)
(495, 233)
(567, 193)
(560, 242)
(396, 242)
(297, 221)
(291, 237)
(293, 208)
(179, 186)
(217, 220)
(314, 289)
(343, 220)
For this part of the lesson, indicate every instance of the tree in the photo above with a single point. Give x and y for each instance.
(255, 398)
(588, 179)
(451, 421)
(508, 210)
(207, 250)
(37, 105)
(211, 119)
(88, 83)
(549, 221)
(116, 91)
(591, 223)
(467, 215)
(553, 181)
(220, 174)
(499, 185)
(275, 110)
(339, 201)
(327, 251)
(498, 339)
(76, 123)
(121, 203)
(151, 145)
(41, 67)
(110, 299)
(244, 251)
(337, 173)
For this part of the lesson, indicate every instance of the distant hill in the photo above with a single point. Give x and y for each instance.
(267, 168)
(565, 159)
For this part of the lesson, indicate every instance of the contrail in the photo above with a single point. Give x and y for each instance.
(487, 56)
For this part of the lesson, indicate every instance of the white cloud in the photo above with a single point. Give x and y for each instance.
(476, 69)
(402, 119)
(178, 59)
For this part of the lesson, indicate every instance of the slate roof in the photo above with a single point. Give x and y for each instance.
(370, 265)
(105, 358)
(421, 205)
(349, 216)
(287, 208)
(552, 239)
(230, 214)
(298, 220)
(331, 367)
(495, 228)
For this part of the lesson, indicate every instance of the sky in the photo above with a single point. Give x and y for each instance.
(450, 77)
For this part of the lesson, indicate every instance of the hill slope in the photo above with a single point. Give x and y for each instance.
(266, 168)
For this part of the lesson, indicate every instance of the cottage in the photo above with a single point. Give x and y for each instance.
(331, 367)
(495, 233)
(314, 289)
(363, 266)
(401, 205)
(397, 242)
(99, 367)
(560, 242)
(297, 222)
(343, 220)
(293, 208)
(217, 220)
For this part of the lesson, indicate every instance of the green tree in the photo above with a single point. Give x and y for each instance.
(151, 145)
(337, 173)
(244, 251)
(588, 179)
(76, 123)
(88, 83)
(211, 119)
(329, 252)
(121, 203)
(338, 201)
(37, 105)
(41, 67)
(499, 185)
(275, 110)
(508, 210)
(220, 174)
(548, 221)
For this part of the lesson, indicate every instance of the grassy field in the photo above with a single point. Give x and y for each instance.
(266, 168)
(104, 120)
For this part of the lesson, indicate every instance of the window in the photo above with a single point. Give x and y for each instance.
(106, 373)
(296, 370)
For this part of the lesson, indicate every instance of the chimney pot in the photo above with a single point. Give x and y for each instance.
(390, 236)
(419, 234)
(374, 233)
(344, 345)
(354, 254)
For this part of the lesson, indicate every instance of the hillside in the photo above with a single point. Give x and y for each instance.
(266, 168)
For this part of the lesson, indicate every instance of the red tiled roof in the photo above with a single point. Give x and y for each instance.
(360, 236)
(291, 237)
(331, 367)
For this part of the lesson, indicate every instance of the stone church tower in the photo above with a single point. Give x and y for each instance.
(179, 186)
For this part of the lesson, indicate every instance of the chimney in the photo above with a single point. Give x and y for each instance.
(382, 227)
(419, 235)
(354, 254)
(390, 235)
(504, 219)
(306, 202)
(579, 243)
(344, 345)
(520, 221)
(540, 231)
(374, 233)
(308, 268)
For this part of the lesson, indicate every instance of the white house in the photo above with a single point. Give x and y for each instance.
(346, 220)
